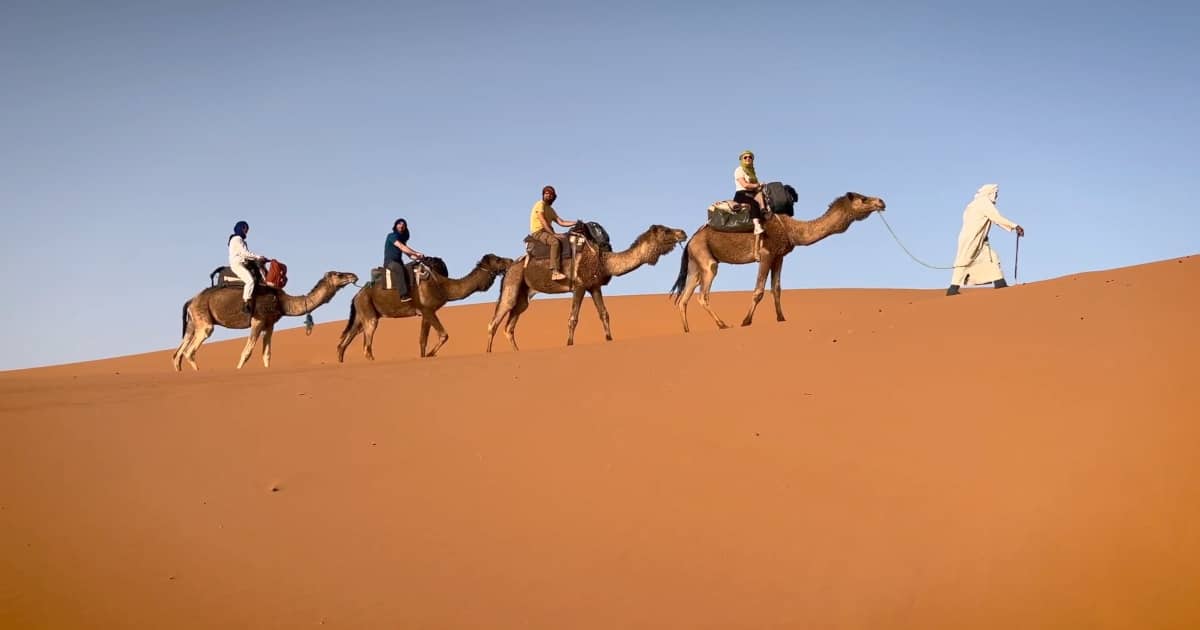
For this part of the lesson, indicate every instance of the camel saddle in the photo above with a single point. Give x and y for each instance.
(276, 275)
(383, 276)
(582, 232)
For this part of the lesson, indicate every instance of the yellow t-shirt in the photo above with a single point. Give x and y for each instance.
(541, 208)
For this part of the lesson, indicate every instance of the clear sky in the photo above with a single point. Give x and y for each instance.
(135, 134)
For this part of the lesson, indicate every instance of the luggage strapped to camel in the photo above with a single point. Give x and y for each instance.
(728, 216)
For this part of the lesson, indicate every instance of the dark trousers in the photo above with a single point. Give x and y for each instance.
(399, 277)
(746, 196)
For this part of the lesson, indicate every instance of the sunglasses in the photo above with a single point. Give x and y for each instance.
(747, 158)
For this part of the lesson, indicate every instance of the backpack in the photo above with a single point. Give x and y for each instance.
(780, 198)
(600, 235)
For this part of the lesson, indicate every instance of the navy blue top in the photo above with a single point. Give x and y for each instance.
(391, 253)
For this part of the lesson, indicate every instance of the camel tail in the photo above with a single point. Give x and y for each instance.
(677, 288)
(185, 318)
(350, 319)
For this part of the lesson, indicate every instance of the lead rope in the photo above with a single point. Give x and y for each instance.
(919, 261)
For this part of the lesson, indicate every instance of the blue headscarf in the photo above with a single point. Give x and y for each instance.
(239, 229)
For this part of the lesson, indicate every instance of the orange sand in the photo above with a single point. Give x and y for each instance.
(1025, 458)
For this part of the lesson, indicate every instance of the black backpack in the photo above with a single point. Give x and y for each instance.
(600, 235)
(780, 198)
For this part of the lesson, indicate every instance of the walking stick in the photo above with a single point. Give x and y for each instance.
(1016, 258)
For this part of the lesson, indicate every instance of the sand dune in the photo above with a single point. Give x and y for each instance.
(1024, 458)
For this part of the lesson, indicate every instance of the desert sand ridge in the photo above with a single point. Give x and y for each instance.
(885, 459)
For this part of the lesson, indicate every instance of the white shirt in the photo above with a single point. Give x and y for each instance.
(238, 253)
(739, 172)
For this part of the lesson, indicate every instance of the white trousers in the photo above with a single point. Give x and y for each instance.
(245, 276)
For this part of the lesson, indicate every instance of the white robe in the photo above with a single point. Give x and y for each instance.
(976, 262)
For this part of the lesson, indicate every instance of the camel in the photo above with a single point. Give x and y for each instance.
(222, 306)
(781, 235)
(430, 293)
(595, 269)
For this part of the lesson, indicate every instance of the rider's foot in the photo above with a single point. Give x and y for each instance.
(558, 275)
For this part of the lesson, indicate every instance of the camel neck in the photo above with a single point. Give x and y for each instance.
(459, 288)
(834, 221)
(623, 262)
(294, 305)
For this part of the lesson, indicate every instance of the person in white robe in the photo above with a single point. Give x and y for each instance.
(976, 262)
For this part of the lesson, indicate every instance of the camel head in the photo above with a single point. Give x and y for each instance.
(494, 265)
(660, 240)
(858, 206)
(339, 279)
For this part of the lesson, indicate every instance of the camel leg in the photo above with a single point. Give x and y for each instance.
(443, 337)
(491, 329)
(177, 358)
(424, 336)
(504, 305)
(369, 324)
(510, 331)
(708, 273)
(602, 311)
(267, 333)
(347, 337)
(689, 287)
(776, 292)
(764, 267)
(202, 332)
(256, 327)
(576, 302)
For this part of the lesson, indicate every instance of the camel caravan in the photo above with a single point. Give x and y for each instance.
(756, 226)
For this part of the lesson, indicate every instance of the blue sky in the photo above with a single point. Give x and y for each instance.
(134, 135)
